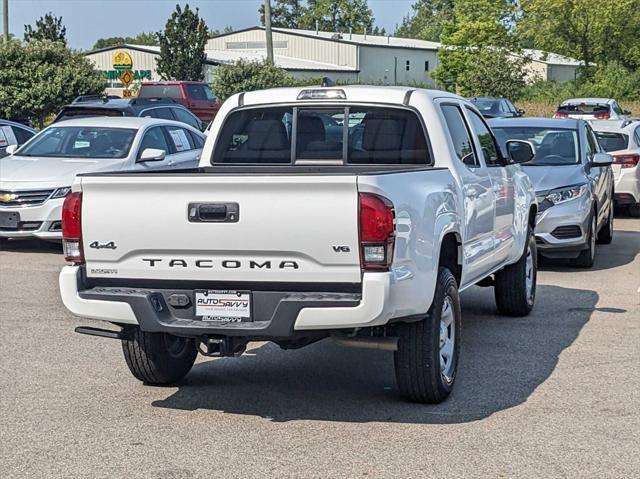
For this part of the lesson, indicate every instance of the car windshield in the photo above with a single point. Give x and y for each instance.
(80, 142)
(612, 141)
(583, 109)
(554, 146)
(486, 106)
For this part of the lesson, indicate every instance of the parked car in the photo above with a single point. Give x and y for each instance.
(591, 109)
(39, 175)
(621, 139)
(165, 109)
(496, 107)
(194, 95)
(574, 185)
(13, 134)
(292, 236)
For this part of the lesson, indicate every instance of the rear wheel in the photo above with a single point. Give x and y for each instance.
(605, 235)
(159, 358)
(588, 256)
(515, 285)
(426, 361)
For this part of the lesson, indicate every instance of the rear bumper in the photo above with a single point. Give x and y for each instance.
(627, 186)
(276, 314)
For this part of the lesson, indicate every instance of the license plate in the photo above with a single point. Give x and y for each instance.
(227, 306)
(9, 219)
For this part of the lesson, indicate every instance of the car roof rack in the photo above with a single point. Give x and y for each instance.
(152, 101)
(87, 98)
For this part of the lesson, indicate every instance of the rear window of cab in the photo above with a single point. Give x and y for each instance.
(356, 135)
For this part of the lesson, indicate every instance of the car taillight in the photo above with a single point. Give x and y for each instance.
(626, 161)
(377, 232)
(601, 116)
(560, 115)
(72, 228)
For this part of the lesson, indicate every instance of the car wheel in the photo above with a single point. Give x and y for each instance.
(515, 285)
(634, 210)
(605, 235)
(426, 361)
(158, 358)
(588, 255)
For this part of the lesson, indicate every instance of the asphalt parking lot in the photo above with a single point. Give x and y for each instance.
(556, 394)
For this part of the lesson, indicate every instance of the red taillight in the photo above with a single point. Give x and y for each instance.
(561, 115)
(377, 232)
(72, 228)
(626, 161)
(601, 116)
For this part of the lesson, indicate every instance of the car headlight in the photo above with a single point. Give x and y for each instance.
(61, 192)
(567, 193)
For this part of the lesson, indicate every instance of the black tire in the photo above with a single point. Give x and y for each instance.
(634, 210)
(587, 256)
(515, 285)
(418, 358)
(605, 235)
(158, 358)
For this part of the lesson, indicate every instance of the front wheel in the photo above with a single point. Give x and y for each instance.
(515, 285)
(158, 358)
(426, 361)
(588, 256)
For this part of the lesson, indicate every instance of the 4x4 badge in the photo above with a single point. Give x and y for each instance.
(109, 245)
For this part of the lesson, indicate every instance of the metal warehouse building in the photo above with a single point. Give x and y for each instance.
(308, 53)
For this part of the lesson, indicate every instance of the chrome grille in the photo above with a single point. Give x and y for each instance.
(24, 197)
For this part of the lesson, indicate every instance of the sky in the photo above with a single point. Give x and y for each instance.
(88, 20)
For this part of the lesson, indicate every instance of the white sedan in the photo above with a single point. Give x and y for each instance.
(36, 177)
(591, 109)
(621, 139)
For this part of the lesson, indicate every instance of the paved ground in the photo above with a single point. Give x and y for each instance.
(556, 394)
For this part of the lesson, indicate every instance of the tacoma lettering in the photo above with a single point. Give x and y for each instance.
(224, 264)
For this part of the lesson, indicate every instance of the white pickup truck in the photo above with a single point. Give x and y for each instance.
(356, 213)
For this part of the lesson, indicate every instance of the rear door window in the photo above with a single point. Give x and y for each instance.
(164, 113)
(180, 138)
(185, 116)
(459, 135)
(330, 135)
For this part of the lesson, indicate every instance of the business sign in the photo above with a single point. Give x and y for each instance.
(123, 70)
(122, 60)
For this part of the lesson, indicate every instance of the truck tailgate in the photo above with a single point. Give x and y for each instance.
(286, 229)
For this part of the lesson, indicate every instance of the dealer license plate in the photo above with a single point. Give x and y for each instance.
(9, 219)
(223, 305)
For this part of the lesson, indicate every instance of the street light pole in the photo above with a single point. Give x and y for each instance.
(5, 19)
(267, 27)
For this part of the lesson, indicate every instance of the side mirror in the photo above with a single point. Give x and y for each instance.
(601, 159)
(520, 151)
(521, 112)
(11, 149)
(152, 154)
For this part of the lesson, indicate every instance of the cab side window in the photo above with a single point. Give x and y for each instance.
(459, 135)
(485, 138)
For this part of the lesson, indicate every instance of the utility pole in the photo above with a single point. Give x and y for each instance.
(5, 19)
(267, 28)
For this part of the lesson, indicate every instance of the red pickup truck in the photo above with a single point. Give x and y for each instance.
(194, 95)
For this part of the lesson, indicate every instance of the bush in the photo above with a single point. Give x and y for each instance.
(246, 75)
(37, 78)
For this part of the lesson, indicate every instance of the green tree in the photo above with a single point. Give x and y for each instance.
(38, 78)
(338, 15)
(49, 28)
(285, 13)
(248, 76)
(493, 72)
(144, 38)
(216, 32)
(593, 31)
(426, 20)
(478, 36)
(182, 44)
